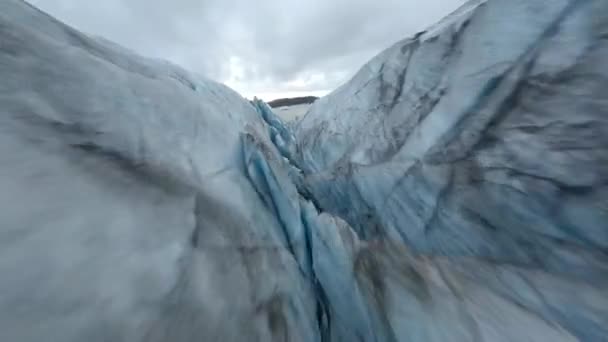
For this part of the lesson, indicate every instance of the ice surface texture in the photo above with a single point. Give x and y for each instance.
(126, 212)
(484, 140)
(454, 190)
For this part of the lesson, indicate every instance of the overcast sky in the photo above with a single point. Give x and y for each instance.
(269, 48)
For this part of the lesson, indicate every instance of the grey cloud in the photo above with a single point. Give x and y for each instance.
(268, 46)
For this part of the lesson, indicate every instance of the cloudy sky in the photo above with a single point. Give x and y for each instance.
(269, 48)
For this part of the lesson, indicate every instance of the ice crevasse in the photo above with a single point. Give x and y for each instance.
(454, 190)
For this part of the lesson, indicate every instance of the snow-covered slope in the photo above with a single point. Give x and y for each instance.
(453, 191)
(292, 113)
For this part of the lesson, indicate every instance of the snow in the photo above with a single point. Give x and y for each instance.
(292, 113)
(431, 198)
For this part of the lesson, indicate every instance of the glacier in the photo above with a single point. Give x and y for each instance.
(454, 190)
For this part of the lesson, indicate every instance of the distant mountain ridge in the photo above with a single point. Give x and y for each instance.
(292, 101)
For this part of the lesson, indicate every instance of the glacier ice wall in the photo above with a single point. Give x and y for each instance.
(126, 213)
(480, 138)
(454, 190)
(484, 140)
